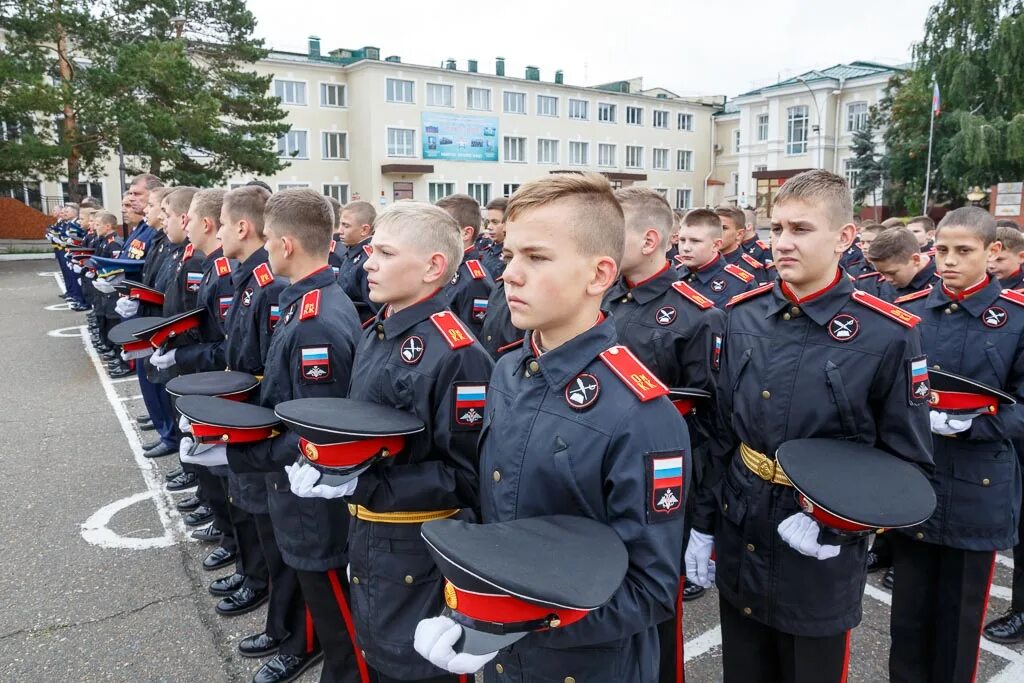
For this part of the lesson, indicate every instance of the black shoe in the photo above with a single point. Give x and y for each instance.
(151, 444)
(187, 505)
(210, 534)
(242, 601)
(185, 480)
(144, 419)
(259, 645)
(109, 355)
(148, 427)
(199, 517)
(691, 591)
(226, 585)
(218, 558)
(160, 451)
(80, 307)
(887, 580)
(1008, 628)
(876, 563)
(120, 371)
(173, 474)
(285, 668)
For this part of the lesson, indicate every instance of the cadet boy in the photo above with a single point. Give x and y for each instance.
(806, 356)
(576, 425)
(704, 268)
(356, 222)
(923, 229)
(970, 326)
(903, 268)
(752, 244)
(495, 223)
(1005, 264)
(471, 284)
(734, 228)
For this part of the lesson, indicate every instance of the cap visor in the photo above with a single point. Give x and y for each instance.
(480, 643)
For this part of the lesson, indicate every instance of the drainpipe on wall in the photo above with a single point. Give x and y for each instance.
(835, 140)
(712, 169)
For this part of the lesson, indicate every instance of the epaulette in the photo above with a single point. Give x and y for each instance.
(930, 252)
(754, 263)
(633, 373)
(452, 329)
(476, 269)
(368, 250)
(695, 297)
(223, 266)
(334, 245)
(913, 295)
(263, 275)
(189, 250)
(369, 321)
(736, 271)
(1013, 295)
(508, 347)
(678, 259)
(739, 298)
(891, 311)
(763, 245)
(867, 275)
(310, 307)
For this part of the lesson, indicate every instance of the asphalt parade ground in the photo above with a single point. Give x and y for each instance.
(99, 580)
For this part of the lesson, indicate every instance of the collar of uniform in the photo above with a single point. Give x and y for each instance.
(821, 306)
(654, 286)
(1011, 281)
(356, 248)
(211, 258)
(974, 303)
(923, 278)
(245, 268)
(560, 365)
(296, 290)
(396, 324)
(470, 253)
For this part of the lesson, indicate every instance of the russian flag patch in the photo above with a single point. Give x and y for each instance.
(275, 315)
(225, 303)
(470, 399)
(479, 309)
(920, 389)
(315, 364)
(192, 281)
(665, 485)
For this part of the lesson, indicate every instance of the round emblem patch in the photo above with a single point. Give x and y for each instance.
(247, 297)
(450, 597)
(311, 452)
(843, 327)
(666, 315)
(994, 317)
(582, 391)
(412, 350)
(718, 285)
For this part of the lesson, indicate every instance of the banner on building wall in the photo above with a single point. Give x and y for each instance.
(456, 137)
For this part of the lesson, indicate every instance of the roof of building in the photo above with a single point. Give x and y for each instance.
(846, 72)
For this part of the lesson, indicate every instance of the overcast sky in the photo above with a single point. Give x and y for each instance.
(689, 47)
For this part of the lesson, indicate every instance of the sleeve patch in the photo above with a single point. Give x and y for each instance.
(665, 486)
(315, 364)
(919, 389)
(716, 351)
(469, 400)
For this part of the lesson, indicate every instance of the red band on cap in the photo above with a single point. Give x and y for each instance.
(505, 609)
(684, 405)
(349, 453)
(958, 400)
(828, 519)
(173, 330)
(146, 296)
(206, 433)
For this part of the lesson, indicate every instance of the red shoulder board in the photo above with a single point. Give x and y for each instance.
(930, 252)
(753, 262)
(679, 259)
(223, 266)
(736, 271)
(334, 245)
(762, 245)
(452, 329)
(263, 275)
(369, 321)
(1013, 295)
(509, 347)
(368, 250)
(693, 295)
(476, 269)
(865, 276)
(310, 307)
(766, 287)
(633, 373)
(771, 264)
(913, 295)
(189, 250)
(891, 311)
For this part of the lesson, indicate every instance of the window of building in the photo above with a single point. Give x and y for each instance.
(762, 127)
(440, 95)
(338, 191)
(335, 145)
(293, 144)
(87, 188)
(684, 198)
(760, 167)
(401, 142)
(796, 130)
(400, 90)
(290, 92)
(663, 191)
(478, 98)
(856, 116)
(9, 131)
(634, 156)
(605, 112)
(27, 193)
(684, 160)
(515, 149)
(659, 162)
(290, 186)
(684, 121)
(481, 192)
(579, 153)
(736, 141)
(734, 180)
(402, 190)
(509, 189)
(635, 116)
(547, 151)
(660, 120)
(333, 95)
(605, 154)
(547, 105)
(515, 102)
(438, 191)
(851, 174)
(579, 110)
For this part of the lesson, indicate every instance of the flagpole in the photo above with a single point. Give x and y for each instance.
(928, 169)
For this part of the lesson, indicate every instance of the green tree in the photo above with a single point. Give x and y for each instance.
(866, 160)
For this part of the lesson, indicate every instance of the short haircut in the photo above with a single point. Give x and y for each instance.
(336, 207)
(872, 227)
(90, 203)
(498, 204)
(973, 219)
(928, 223)
(1007, 223)
(894, 244)
(304, 214)
(644, 208)
(208, 204)
(893, 223)
(704, 218)
(180, 198)
(106, 218)
(160, 192)
(427, 228)
(464, 209)
(148, 180)
(739, 219)
(751, 216)
(247, 203)
(363, 212)
(1010, 238)
(256, 182)
(598, 227)
(823, 188)
(73, 206)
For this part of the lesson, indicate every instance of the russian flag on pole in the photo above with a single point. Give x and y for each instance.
(936, 103)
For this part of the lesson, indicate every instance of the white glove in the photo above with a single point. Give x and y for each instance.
(162, 361)
(185, 425)
(943, 425)
(126, 308)
(77, 268)
(303, 479)
(434, 640)
(102, 285)
(135, 355)
(699, 567)
(205, 455)
(91, 274)
(800, 532)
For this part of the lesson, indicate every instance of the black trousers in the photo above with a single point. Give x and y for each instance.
(213, 493)
(882, 548)
(1017, 602)
(327, 597)
(938, 606)
(250, 561)
(287, 620)
(755, 653)
(670, 638)
(378, 677)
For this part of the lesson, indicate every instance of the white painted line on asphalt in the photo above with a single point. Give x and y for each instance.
(1001, 593)
(1014, 673)
(133, 397)
(59, 307)
(56, 276)
(96, 531)
(75, 331)
(133, 378)
(1004, 560)
(702, 644)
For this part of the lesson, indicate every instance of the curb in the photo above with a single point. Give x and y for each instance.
(25, 257)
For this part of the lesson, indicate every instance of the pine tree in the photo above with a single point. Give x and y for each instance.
(866, 161)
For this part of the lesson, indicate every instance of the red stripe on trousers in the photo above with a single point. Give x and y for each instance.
(984, 609)
(309, 631)
(846, 660)
(339, 597)
(680, 674)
